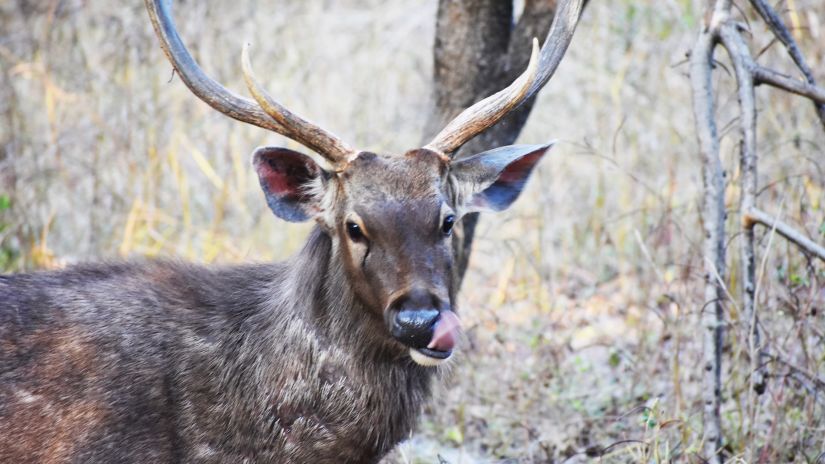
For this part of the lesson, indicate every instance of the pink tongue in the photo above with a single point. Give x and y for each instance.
(446, 331)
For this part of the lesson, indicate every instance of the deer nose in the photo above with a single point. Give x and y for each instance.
(415, 316)
(414, 328)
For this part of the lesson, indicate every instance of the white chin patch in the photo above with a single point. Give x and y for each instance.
(423, 360)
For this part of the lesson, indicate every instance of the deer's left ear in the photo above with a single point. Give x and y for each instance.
(492, 180)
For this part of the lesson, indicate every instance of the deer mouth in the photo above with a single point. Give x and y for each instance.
(428, 357)
(442, 343)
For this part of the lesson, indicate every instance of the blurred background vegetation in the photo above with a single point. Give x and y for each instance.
(581, 303)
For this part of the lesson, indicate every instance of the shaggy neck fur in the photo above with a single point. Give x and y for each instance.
(316, 371)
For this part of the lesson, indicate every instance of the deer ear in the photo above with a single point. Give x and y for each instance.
(289, 181)
(492, 180)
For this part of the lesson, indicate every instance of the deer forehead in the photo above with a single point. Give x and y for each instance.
(413, 180)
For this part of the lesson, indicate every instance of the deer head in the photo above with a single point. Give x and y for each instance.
(389, 217)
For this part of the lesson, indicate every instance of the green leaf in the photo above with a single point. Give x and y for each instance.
(577, 405)
(8, 259)
(648, 419)
(614, 359)
(5, 202)
(798, 280)
(454, 435)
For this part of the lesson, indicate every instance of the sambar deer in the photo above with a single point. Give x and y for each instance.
(325, 358)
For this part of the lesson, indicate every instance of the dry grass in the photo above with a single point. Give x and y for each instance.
(581, 303)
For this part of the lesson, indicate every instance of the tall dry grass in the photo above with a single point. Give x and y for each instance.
(581, 304)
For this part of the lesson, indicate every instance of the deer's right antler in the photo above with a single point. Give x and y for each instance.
(265, 112)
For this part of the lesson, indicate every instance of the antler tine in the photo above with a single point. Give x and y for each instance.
(489, 111)
(302, 130)
(233, 105)
(558, 39)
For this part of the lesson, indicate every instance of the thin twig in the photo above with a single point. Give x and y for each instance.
(816, 380)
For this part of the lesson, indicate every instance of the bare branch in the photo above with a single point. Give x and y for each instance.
(763, 75)
(781, 32)
(713, 214)
(757, 216)
(719, 28)
(743, 67)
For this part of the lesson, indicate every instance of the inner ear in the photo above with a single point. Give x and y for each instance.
(290, 181)
(493, 180)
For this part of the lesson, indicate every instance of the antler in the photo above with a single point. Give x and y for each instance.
(303, 131)
(543, 64)
(264, 112)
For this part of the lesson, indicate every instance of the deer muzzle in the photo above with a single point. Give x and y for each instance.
(426, 325)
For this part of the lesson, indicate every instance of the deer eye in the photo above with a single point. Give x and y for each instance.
(447, 225)
(354, 231)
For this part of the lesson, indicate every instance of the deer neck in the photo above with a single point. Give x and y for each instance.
(346, 377)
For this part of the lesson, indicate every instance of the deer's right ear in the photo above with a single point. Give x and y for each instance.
(289, 180)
